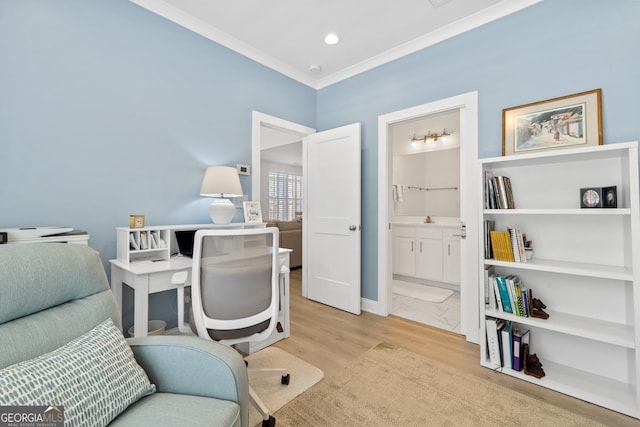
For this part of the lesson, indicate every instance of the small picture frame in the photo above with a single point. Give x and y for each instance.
(252, 212)
(609, 197)
(591, 197)
(136, 221)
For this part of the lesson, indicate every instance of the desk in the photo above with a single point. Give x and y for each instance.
(147, 277)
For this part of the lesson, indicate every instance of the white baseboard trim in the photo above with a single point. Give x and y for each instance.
(371, 306)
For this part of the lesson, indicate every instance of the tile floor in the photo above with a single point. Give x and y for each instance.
(444, 315)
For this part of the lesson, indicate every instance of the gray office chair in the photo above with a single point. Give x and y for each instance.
(235, 292)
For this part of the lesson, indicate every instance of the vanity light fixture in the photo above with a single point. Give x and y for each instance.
(432, 137)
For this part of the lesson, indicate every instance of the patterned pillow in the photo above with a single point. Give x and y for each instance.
(94, 377)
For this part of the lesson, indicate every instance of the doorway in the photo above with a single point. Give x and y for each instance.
(467, 107)
(425, 180)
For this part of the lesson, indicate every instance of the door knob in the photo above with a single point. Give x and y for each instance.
(353, 228)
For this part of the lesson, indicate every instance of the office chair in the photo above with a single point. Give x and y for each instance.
(235, 292)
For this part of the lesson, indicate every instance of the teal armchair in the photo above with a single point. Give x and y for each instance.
(53, 294)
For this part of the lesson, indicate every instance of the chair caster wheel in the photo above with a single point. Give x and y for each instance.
(285, 379)
(271, 422)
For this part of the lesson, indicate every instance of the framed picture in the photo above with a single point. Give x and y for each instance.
(136, 221)
(252, 212)
(567, 122)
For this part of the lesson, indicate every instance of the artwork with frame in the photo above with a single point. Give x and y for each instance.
(252, 212)
(566, 122)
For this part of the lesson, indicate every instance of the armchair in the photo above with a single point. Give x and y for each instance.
(57, 295)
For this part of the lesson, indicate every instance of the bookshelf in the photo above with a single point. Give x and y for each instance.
(585, 268)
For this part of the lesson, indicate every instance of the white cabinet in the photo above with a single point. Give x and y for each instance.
(585, 269)
(427, 252)
(404, 251)
(451, 254)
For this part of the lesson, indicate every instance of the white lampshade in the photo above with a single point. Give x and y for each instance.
(219, 182)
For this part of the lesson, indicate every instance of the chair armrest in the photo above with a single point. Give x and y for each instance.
(195, 366)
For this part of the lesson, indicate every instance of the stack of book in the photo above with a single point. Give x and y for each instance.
(508, 294)
(506, 245)
(497, 192)
(505, 344)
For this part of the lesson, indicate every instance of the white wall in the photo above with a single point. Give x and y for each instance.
(432, 169)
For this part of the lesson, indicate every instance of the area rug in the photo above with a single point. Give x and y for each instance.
(269, 389)
(422, 292)
(390, 386)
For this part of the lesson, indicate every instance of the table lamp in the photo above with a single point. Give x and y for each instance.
(220, 182)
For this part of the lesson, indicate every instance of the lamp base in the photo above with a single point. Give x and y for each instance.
(222, 211)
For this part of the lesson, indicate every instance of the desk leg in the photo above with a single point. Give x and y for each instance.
(141, 306)
(116, 287)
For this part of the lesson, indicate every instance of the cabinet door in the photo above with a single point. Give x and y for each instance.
(429, 258)
(451, 270)
(404, 256)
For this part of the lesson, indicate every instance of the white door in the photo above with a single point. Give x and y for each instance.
(331, 232)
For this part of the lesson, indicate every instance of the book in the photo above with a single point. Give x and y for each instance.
(501, 246)
(520, 241)
(520, 338)
(514, 244)
(505, 297)
(503, 192)
(496, 293)
(511, 281)
(489, 225)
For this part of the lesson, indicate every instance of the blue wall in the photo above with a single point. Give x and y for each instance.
(108, 110)
(551, 49)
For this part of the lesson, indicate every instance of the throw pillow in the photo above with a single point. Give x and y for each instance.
(94, 377)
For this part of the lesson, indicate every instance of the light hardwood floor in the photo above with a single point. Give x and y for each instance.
(330, 339)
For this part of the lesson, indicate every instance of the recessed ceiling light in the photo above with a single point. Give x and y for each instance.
(315, 68)
(332, 38)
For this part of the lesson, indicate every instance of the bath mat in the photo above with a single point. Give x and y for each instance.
(422, 292)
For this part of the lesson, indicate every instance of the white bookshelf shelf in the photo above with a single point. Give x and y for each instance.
(586, 269)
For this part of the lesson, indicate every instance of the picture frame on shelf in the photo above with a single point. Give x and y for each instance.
(136, 221)
(252, 212)
(565, 122)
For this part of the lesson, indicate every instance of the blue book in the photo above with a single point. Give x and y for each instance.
(505, 297)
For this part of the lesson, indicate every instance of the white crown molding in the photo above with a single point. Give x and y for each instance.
(198, 26)
(167, 11)
(500, 10)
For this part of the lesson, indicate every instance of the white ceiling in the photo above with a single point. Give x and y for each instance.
(287, 35)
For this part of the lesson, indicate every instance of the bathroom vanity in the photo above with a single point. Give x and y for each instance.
(429, 251)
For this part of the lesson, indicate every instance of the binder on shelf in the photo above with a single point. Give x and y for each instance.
(520, 338)
(493, 346)
(505, 338)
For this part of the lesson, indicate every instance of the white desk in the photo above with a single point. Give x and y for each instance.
(147, 277)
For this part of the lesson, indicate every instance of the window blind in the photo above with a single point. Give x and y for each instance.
(285, 195)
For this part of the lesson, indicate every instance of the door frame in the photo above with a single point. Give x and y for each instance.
(467, 104)
(259, 120)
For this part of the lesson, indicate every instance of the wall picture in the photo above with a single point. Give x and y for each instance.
(566, 122)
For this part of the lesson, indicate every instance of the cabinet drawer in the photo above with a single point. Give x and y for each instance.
(428, 233)
(404, 231)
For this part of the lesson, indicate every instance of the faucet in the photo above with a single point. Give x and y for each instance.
(428, 220)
